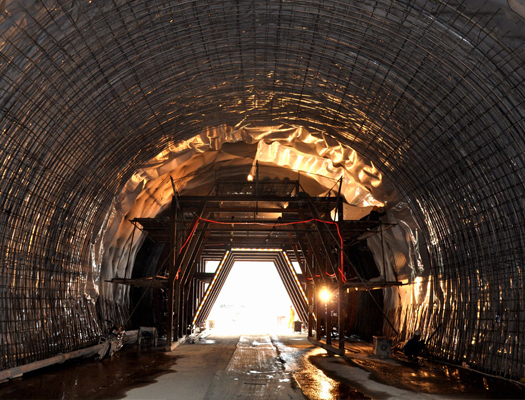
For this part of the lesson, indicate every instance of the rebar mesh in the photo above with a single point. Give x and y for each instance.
(431, 91)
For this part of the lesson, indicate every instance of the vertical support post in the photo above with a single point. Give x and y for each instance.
(310, 290)
(172, 272)
(340, 214)
(383, 253)
(169, 322)
(176, 306)
(328, 323)
(191, 305)
(318, 313)
(183, 311)
(257, 187)
(257, 178)
(340, 286)
(341, 317)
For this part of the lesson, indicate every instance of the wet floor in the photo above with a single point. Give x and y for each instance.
(90, 378)
(316, 385)
(396, 378)
(254, 366)
(255, 371)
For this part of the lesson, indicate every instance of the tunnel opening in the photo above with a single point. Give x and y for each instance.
(252, 300)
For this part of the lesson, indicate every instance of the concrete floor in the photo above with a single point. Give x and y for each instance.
(255, 366)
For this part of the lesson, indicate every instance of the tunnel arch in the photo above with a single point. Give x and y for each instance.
(431, 92)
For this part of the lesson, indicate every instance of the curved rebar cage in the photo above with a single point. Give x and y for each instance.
(431, 92)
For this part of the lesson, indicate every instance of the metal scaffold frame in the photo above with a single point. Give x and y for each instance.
(304, 232)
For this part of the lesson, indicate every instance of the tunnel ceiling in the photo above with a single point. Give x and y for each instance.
(431, 92)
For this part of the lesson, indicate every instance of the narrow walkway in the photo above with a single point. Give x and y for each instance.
(255, 372)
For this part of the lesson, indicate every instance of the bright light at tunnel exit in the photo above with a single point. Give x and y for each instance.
(252, 300)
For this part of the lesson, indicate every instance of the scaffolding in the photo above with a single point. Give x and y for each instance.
(253, 220)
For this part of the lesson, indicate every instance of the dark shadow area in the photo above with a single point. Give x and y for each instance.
(147, 303)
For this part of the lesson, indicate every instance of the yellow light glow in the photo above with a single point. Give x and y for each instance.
(250, 177)
(324, 295)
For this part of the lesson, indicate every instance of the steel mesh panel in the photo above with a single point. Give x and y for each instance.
(431, 92)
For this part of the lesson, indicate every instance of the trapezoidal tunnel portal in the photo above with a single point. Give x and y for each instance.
(371, 151)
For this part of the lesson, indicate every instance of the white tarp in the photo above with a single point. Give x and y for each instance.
(318, 159)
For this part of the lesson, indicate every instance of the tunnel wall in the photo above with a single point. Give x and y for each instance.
(430, 91)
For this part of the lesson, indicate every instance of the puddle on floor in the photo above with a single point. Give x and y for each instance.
(429, 377)
(89, 378)
(423, 378)
(318, 386)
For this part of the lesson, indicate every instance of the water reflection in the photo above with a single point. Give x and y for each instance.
(92, 379)
(325, 391)
(317, 386)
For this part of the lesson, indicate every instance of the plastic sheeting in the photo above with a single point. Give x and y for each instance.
(316, 158)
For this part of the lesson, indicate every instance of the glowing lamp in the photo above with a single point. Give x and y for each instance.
(325, 295)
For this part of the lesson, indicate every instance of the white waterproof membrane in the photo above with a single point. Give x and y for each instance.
(316, 159)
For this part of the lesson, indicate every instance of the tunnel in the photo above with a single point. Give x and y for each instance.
(377, 145)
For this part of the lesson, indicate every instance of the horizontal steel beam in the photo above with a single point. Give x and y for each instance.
(253, 198)
(251, 228)
(367, 285)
